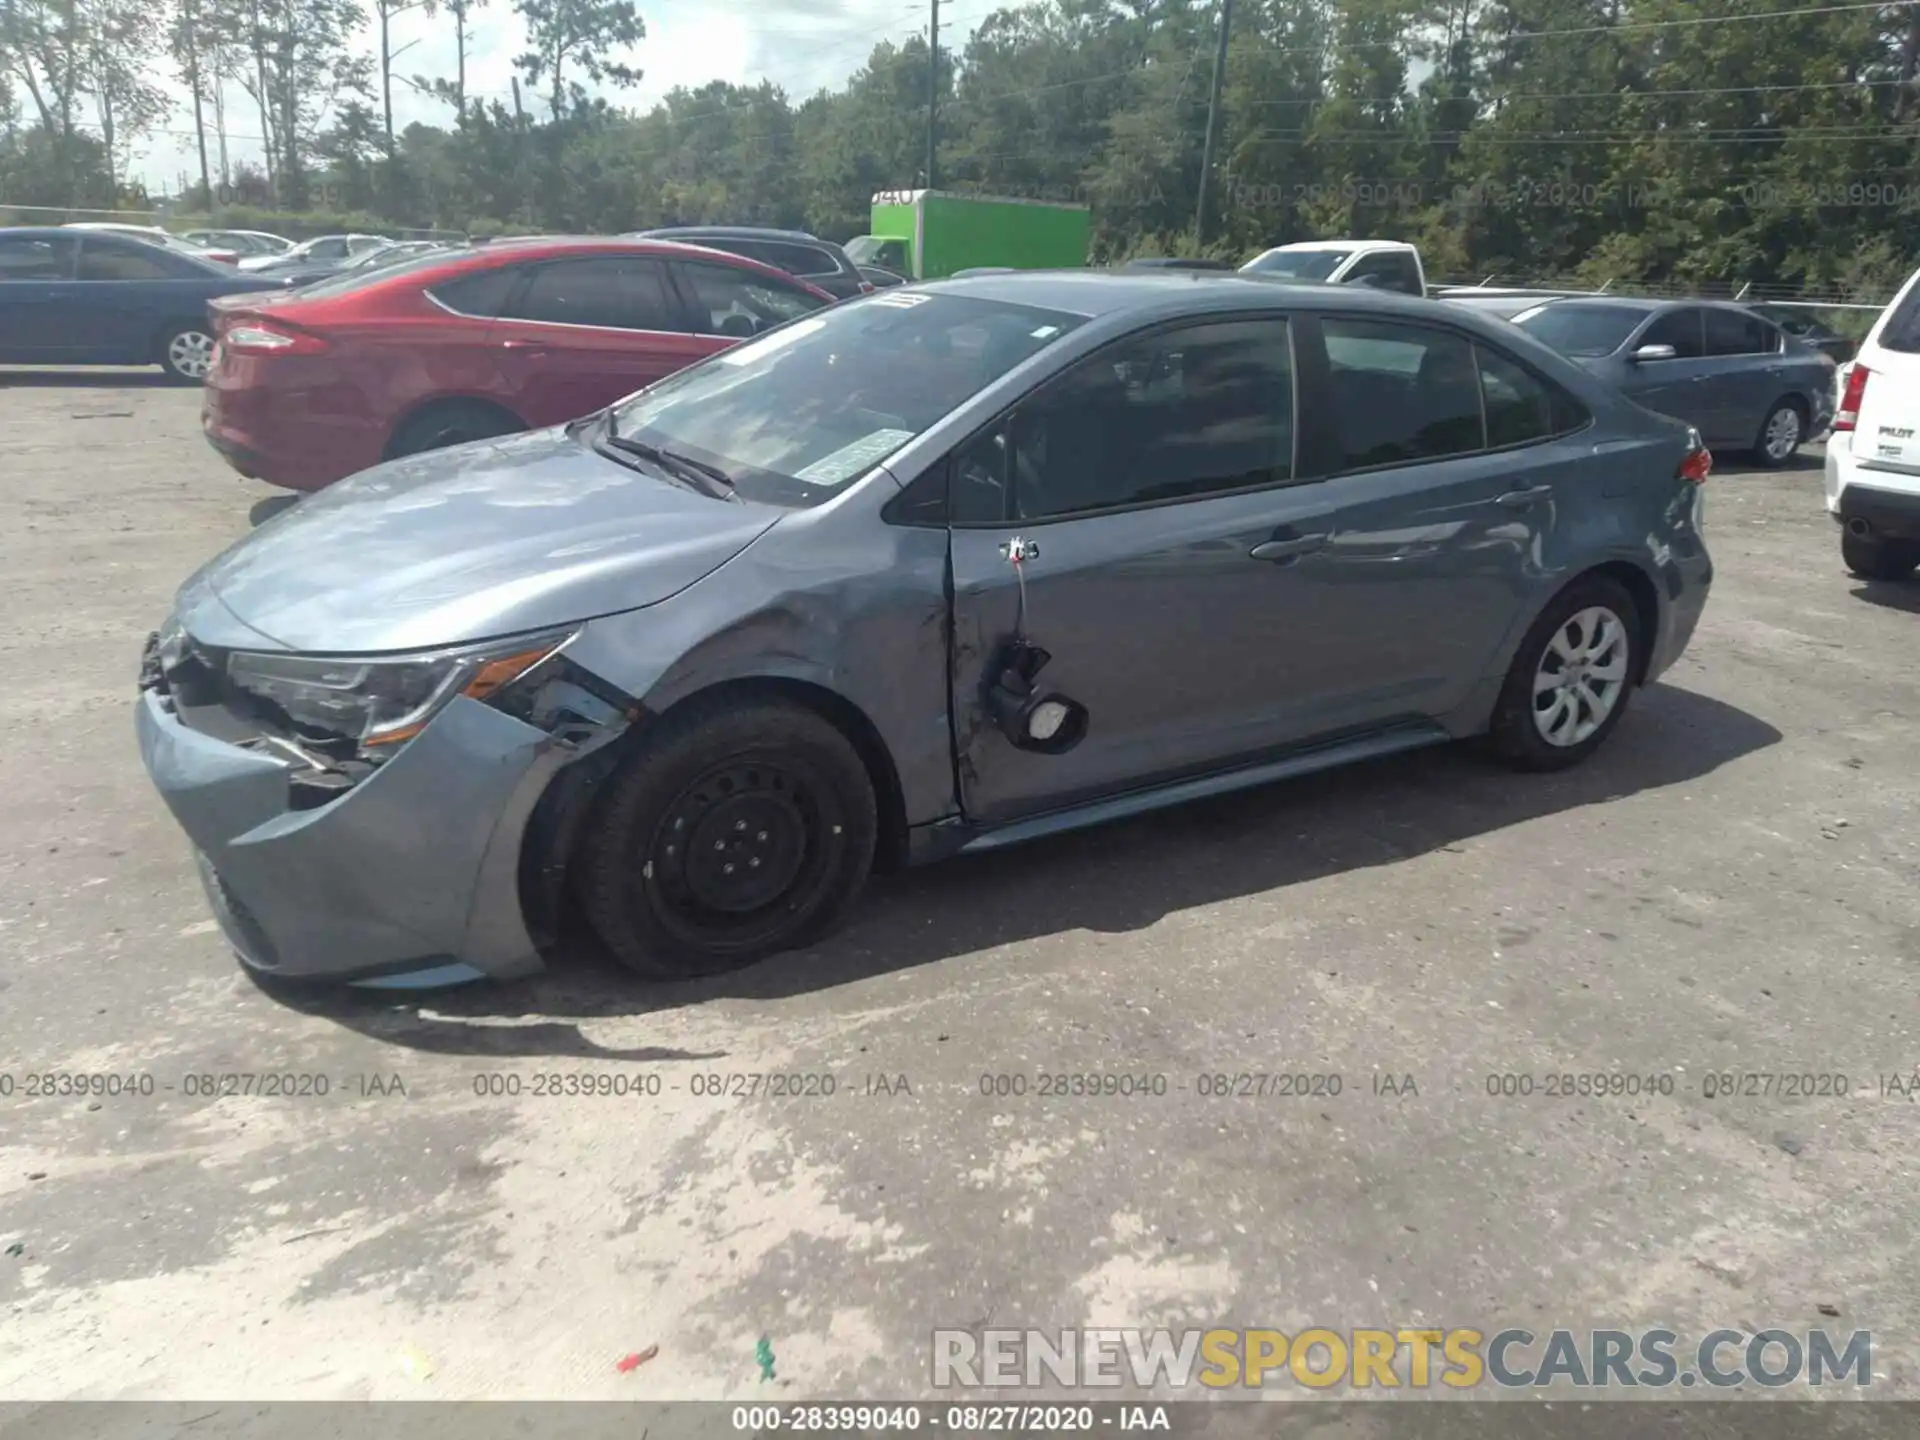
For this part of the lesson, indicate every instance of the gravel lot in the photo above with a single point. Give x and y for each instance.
(1730, 886)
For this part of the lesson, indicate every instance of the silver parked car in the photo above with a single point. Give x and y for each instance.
(939, 569)
(1733, 376)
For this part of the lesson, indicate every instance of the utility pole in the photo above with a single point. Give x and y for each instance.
(199, 118)
(1213, 123)
(520, 145)
(933, 93)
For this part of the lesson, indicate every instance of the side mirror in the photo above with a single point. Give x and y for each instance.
(1655, 352)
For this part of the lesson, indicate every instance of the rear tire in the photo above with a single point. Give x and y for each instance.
(186, 353)
(1570, 679)
(452, 422)
(1781, 435)
(737, 830)
(1873, 559)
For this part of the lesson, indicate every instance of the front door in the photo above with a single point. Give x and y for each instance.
(1683, 386)
(583, 333)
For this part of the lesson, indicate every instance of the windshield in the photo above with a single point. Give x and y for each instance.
(1581, 329)
(793, 416)
(1298, 264)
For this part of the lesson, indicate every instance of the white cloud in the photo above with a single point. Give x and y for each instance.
(800, 47)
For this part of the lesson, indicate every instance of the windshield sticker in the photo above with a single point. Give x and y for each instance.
(1046, 332)
(779, 340)
(850, 460)
(899, 299)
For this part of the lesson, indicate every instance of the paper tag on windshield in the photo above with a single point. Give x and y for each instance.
(759, 349)
(899, 299)
(849, 460)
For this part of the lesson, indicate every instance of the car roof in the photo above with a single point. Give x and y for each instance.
(1308, 245)
(1651, 305)
(1092, 293)
(732, 232)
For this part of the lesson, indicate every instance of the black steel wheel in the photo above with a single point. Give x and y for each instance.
(730, 834)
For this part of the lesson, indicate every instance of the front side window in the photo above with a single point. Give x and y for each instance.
(607, 292)
(1401, 392)
(105, 260)
(1183, 413)
(794, 416)
(1390, 270)
(1682, 329)
(35, 257)
(729, 301)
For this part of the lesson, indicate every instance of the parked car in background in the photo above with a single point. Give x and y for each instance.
(242, 242)
(154, 235)
(1732, 375)
(341, 248)
(1502, 305)
(95, 297)
(1872, 473)
(316, 383)
(1380, 264)
(818, 262)
(1806, 327)
(293, 272)
(694, 663)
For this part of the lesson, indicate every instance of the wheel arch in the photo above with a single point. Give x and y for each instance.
(446, 402)
(1646, 600)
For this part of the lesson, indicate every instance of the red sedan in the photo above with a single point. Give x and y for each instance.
(310, 385)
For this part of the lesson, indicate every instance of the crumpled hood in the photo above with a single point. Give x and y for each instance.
(486, 539)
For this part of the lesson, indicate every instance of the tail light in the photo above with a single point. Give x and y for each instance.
(1698, 464)
(867, 287)
(1847, 415)
(255, 337)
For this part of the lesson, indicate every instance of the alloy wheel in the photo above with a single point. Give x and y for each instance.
(1783, 433)
(190, 353)
(1581, 676)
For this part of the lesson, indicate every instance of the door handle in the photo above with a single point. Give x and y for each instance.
(1289, 549)
(1521, 499)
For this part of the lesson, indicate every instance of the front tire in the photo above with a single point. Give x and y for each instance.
(1570, 680)
(1781, 434)
(186, 353)
(736, 830)
(1873, 559)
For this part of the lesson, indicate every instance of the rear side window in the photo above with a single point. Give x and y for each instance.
(1401, 393)
(35, 257)
(1683, 330)
(1901, 333)
(1391, 270)
(1730, 332)
(1523, 407)
(729, 301)
(608, 292)
(104, 260)
(482, 295)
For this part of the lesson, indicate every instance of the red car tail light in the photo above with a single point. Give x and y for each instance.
(1847, 415)
(1698, 463)
(252, 337)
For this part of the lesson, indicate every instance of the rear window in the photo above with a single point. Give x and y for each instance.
(1901, 333)
(1299, 264)
(1575, 329)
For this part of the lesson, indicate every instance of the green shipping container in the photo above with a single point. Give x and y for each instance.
(945, 232)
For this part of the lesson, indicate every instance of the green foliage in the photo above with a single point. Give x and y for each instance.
(1518, 138)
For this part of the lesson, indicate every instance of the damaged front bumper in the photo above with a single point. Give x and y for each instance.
(410, 877)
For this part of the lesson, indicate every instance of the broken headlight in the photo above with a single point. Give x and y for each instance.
(381, 700)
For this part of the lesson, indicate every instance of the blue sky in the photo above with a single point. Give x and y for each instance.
(799, 45)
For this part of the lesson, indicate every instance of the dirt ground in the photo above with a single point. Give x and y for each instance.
(1729, 887)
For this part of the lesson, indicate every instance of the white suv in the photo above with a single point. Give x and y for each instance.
(1873, 455)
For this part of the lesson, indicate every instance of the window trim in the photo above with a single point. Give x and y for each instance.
(529, 269)
(1288, 319)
